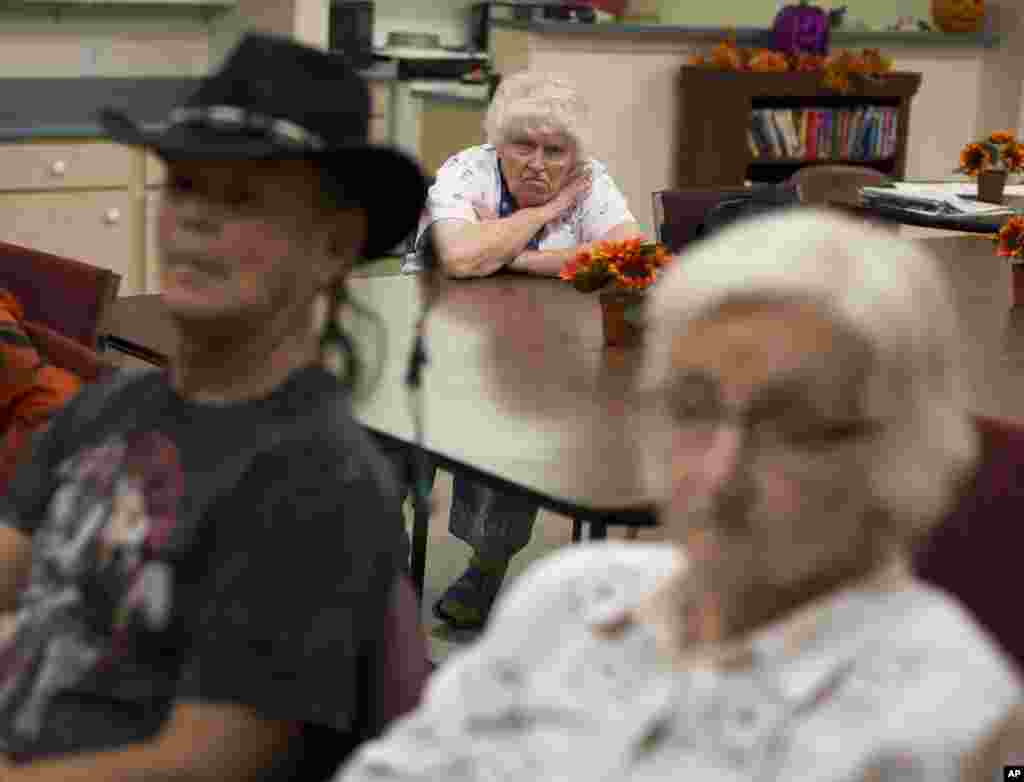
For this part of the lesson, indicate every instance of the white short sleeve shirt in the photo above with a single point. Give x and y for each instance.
(472, 177)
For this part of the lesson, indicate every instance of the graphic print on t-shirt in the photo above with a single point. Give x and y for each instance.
(97, 575)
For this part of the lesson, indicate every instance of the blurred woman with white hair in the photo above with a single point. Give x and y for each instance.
(811, 425)
(526, 201)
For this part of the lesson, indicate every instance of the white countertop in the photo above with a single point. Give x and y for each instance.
(416, 53)
(449, 88)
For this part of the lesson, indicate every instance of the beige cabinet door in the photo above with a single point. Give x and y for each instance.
(88, 226)
(152, 260)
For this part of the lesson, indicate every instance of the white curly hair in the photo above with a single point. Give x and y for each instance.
(530, 100)
(890, 292)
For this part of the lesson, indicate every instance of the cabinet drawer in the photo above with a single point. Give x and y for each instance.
(380, 98)
(91, 227)
(56, 166)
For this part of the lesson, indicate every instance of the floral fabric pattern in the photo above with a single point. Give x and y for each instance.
(899, 683)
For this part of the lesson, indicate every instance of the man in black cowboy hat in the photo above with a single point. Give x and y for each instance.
(196, 564)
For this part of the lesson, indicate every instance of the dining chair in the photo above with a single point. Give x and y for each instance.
(833, 183)
(974, 552)
(684, 215)
(68, 296)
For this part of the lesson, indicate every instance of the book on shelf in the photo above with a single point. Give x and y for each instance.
(818, 133)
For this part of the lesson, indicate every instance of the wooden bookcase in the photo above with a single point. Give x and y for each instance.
(715, 108)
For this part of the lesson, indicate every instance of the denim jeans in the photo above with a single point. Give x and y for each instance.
(495, 524)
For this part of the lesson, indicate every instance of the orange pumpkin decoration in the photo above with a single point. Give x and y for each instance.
(958, 16)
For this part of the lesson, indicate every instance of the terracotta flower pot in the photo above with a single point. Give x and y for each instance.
(1017, 284)
(991, 185)
(622, 317)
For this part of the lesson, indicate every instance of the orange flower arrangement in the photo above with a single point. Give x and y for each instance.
(840, 70)
(629, 265)
(1010, 240)
(999, 152)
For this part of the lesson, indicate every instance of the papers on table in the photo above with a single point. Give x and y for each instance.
(930, 200)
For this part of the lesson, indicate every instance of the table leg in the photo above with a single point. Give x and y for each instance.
(420, 528)
(577, 530)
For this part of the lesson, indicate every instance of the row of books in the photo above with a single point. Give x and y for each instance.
(854, 133)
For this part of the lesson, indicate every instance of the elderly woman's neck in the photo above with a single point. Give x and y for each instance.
(687, 613)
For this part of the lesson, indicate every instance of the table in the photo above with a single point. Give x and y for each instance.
(520, 393)
(990, 224)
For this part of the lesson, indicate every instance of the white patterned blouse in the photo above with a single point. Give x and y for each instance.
(874, 682)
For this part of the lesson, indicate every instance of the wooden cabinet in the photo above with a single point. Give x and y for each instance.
(151, 263)
(380, 111)
(40, 166)
(448, 127)
(716, 109)
(74, 199)
(94, 227)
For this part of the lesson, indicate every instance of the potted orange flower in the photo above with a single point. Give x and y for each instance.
(622, 272)
(1010, 244)
(991, 160)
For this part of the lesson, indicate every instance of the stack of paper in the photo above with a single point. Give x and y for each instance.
(929, 200)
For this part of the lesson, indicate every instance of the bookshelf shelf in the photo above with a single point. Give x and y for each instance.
(716, 110)
(803, 161)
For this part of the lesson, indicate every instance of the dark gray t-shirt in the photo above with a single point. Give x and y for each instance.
(225, 553)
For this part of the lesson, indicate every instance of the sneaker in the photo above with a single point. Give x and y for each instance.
(466, 604)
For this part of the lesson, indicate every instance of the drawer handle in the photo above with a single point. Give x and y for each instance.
(112, 216)
(58, 168)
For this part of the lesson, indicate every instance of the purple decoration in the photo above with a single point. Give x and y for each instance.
(801, 28)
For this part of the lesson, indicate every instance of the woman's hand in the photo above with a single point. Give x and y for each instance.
(575, 190)
(484, 213)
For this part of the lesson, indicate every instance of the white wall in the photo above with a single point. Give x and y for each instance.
(444, 17)
(84, 41)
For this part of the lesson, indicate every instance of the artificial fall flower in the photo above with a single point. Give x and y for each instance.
(974, 158)
(1011, 238)
(1013, 156)
(805, 62)
(1002, 137)
(727, 57)
(587, 271)
(630, 264)
(767, 61)
(634, 275)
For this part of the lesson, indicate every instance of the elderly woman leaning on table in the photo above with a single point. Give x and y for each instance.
(525, 201)
(806, 384)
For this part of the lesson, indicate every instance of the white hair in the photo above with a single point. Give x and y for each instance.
(889, 291)
(530, 100)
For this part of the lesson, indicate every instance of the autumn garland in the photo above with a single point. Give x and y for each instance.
(840, 69)
(630, 265)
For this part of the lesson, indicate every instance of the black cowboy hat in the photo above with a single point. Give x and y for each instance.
(274, 98)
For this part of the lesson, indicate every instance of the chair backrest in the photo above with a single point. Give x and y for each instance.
(973, 552)
(681, 216)
(71, 297)
(828, 183)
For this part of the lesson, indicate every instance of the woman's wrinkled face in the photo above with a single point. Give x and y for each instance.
(770, 452)
(241, 240)
(537, 164)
